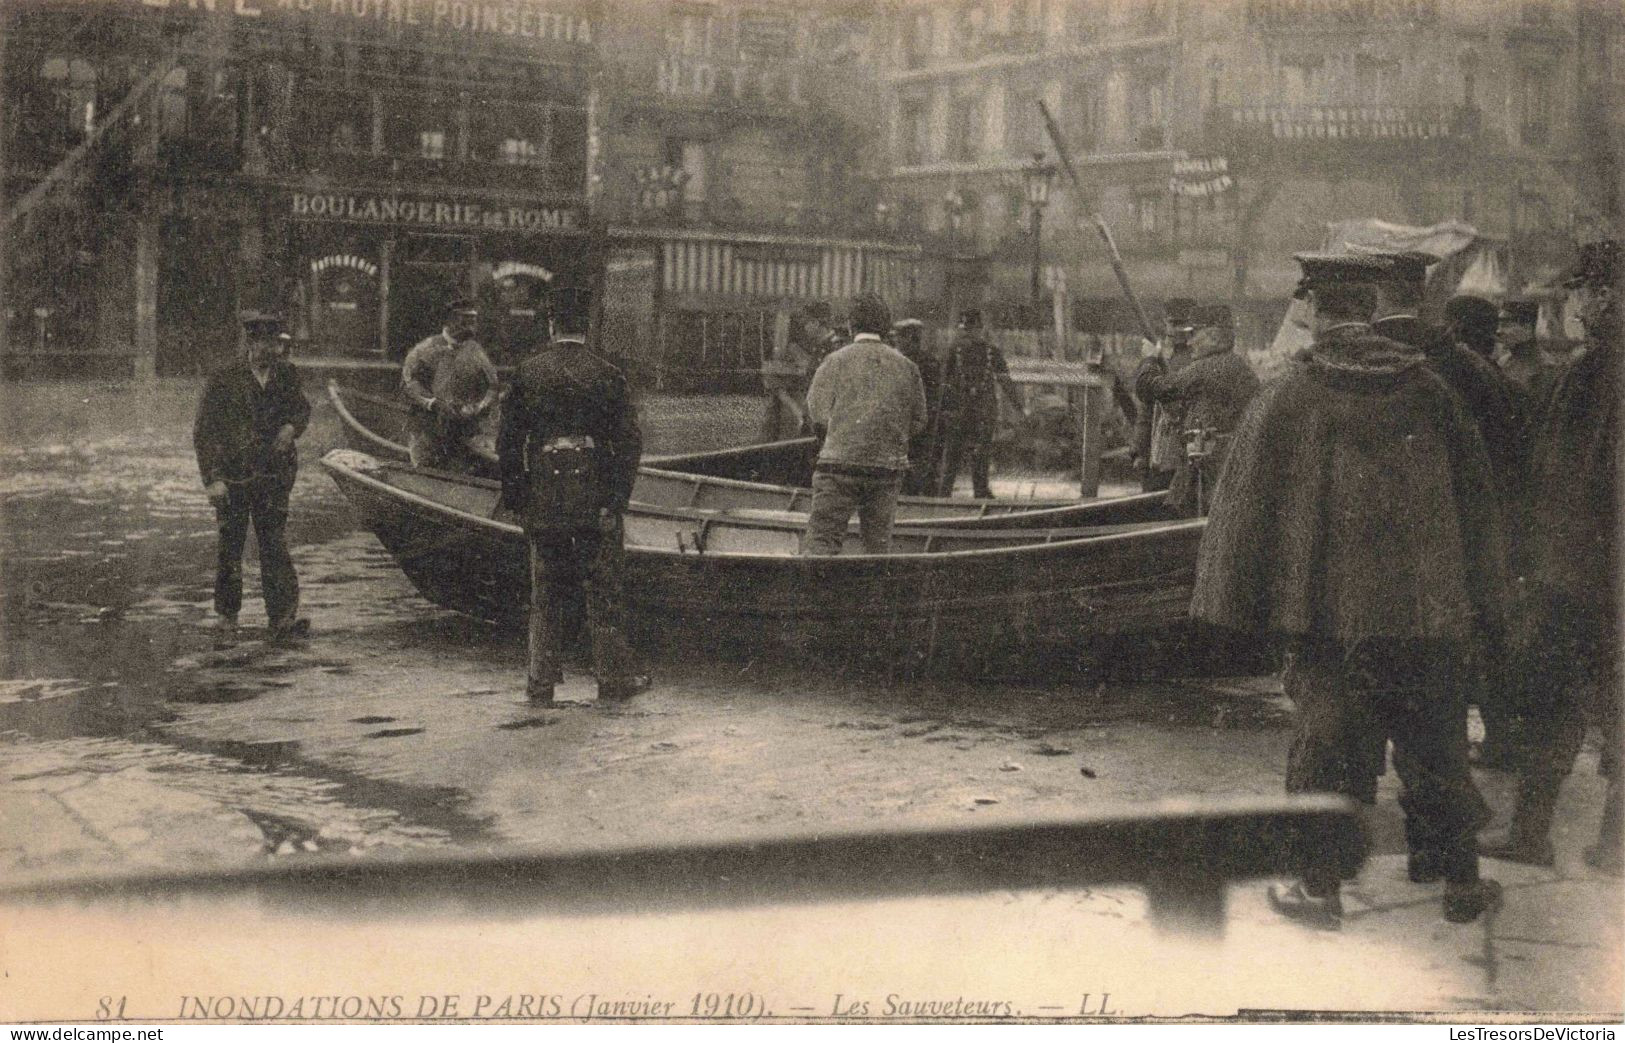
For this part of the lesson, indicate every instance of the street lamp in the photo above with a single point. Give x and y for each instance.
(953, 204)
(1038, 178)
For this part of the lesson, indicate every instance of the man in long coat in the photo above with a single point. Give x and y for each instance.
(1571, 559)
(1207, 399)
(975, 373)
(1158, 441)
(1357, 521)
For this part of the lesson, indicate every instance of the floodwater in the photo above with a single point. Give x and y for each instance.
(127, 740)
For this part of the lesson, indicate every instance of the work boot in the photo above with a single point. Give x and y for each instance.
(539, 693)
(225, 631)
(623, 688)
(287, 630)
(1528, 839)
(1324, 912)
(1465, 901)
(1605, 854)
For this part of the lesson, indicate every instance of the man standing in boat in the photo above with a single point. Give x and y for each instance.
(866, 401)
(1205, 399)
(1358, 523)
(908, 337)
(568, 448)
(247, 420)
(1158, 437)
(975, 372)
(452, 386)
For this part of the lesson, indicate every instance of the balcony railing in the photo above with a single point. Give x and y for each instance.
(1338, 124)
(414, 170)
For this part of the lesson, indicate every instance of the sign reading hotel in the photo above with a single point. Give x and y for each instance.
(520, 19)
(436, 213)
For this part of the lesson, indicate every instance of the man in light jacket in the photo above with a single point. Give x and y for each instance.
(866, 400)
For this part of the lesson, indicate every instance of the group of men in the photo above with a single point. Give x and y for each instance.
(1419, 536)
(961, 395)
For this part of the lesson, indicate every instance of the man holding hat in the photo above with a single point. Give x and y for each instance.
(1357, 524)
(1572, 653)
(975, 372)
(1159, 443)
(452, 386)
(1205, 401)
(248, 418)
(568, 449)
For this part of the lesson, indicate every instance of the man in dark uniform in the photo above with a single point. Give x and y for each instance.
(924, 454)
(1471, 321)
(568, 448)
(1357, 522)
(247, 420)
(1571, 654)
(1522, 362)
(975, 372)
(452, 386)
(1206, 400)
(1158, 439)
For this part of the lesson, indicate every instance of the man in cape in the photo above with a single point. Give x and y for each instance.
(1357, 522)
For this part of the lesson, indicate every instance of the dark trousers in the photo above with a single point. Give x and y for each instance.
(263, 503)
(1349, 707)
(1566, 677)
(835, 497)
(566, 563)
(967, 433)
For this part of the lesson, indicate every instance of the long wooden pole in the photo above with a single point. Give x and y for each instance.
(1100, 224)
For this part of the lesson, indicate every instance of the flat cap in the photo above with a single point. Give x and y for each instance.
(253, 319)
(901, 324)
(1471, 310)
(1178, 311)
(1598, 265)
(1218, 315)
(1406, 266)
(462, 303)
(1520, 310)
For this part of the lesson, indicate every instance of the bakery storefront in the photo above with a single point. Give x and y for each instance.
(373, 272)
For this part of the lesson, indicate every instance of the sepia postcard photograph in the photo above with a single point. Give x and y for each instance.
(751, 512)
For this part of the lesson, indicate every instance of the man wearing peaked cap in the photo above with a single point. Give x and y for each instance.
(1204, 402)
(248, 418)
(1569, 667)
(1376, 577)
(975, 373)
(452, 385)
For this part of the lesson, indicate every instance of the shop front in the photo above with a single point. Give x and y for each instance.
(373, 272)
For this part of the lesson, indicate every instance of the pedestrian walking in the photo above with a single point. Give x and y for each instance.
(568, 449)
(248, 419)
(924, 449)
(866, 402)
(1357, 523)
(1159, 442)
(451, 385)
(1569, 665)
(975, 373)
(1205, 400)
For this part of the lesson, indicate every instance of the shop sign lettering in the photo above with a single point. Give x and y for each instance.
(521, 19)
(360, 264)
(369, 209)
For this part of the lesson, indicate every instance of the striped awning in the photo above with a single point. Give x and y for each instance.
(801, 269)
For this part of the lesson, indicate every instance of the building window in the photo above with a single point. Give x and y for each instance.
(965, 127)
(172, 116)
(1376, 80)
(1086, 115)
(1023, 133)
(1301, 81)
(763, 34)
(518, 152)
(1149, 217)
(1149, 111)
(972, 24)
(913, 129)
(71, 87)
(432, 144)
(692, 31)
(1535, 105)
(917, 40)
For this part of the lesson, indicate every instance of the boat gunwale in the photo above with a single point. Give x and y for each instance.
(1164, 530)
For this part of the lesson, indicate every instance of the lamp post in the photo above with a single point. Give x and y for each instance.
(953, 204)
(1038, 178)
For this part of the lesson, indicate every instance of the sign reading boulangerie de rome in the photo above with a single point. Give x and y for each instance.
(366, 208)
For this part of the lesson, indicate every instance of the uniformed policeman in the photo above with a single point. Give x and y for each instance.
(568, 448)
(248, 417)
(452, 386)
(975, 372)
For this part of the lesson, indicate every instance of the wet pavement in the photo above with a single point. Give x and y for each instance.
(127, 740)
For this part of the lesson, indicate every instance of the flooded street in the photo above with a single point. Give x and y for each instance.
(127, 740)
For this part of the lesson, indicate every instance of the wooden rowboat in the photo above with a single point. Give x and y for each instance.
(767, 480)
(987, 601)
